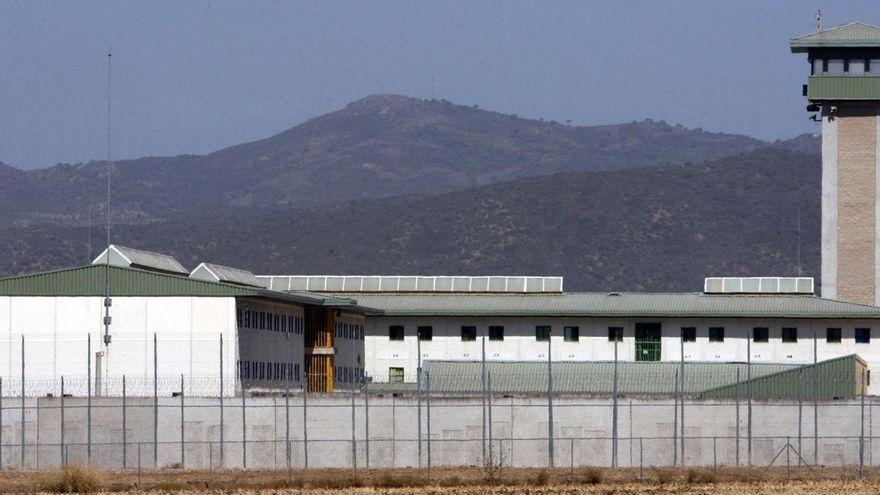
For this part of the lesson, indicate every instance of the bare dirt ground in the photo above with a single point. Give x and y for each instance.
(468, 481)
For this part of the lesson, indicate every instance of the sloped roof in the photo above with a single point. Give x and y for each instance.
(602, 304)
(220, 273)
(136, 258)
(586, 377)
(853, 34)
(130, 282)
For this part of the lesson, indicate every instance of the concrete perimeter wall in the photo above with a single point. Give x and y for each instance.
(518, 430)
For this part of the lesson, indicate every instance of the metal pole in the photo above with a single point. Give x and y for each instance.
(366, 391)
(305, 427)
(862, 430)
(800, 398)
(222, 451)
(139, 465)
(749, 393)
(243, 429)
(124, 426)
(419, 395)
(353, 431)
(614, 403)
(483, 394)
(22, 402)
(287, 401)
(89, 399)
(155, 401)
(815, 399)
(737, 416)
(182, 412)
(641, 453)
(489, 401)
(550, 397)
(714, 454)
(428, 393)
(681, 400)
(61, 450)
(675, 422)
(571, 460)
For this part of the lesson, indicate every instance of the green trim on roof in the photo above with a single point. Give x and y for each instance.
(843, 87)
(853, 34)
(133, 282)
(623, 305)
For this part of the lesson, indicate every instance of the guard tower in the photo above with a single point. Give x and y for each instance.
(844, 92)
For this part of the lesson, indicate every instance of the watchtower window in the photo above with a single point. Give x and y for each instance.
(835, 66)
(874, 66)
(856, 66)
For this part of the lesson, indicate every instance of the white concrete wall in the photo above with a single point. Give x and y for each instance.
(349, 352)
(520, 344)
(56, 332)
(264, 343)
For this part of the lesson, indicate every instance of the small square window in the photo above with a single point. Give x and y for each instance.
(542, 333)
(571, 334)
(832, 335)
(395, 375)
(496, 333)
(615, 334)
(468, 334)
(395, 332)
(761, 334)
(689, 334)
(863, 335)
(789, 335)
(716, 334)
(426, 333)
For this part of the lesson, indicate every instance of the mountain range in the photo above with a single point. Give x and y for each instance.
(398, 185)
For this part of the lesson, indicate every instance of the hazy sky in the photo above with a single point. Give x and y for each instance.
(193, 77)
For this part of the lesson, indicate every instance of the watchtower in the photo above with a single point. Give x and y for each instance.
(844, 93)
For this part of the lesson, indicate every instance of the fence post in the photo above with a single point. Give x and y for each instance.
(419, 415)
(366, 390)
(675, 421)
(714, 454)
(614, 401)
(800, 398)
(354, 465)
(737, 416)
(428, 393)
(305, 426)
(641, 455)
(89, 401)
(862, 430)
(155, 402)
(287, 402)
(61, 450)
(489, 402)
(22, 402)
(222, 456)
(815, 399)
(571, 460)
(243, 429)
(681, 400)
(483, 396)
(182, 412)
(749, 394)
(550, 398)
(124, 426)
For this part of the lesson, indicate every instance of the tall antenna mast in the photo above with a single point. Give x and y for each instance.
(107, 301)
(819, 20)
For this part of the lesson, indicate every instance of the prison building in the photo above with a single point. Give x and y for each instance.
(843, 90)
(213, 328)
(509, 319)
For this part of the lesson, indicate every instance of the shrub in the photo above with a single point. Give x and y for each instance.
(664, 476)
(400, 481)
(700, 476)
(592, 475)
(541, 478)
(71, 479)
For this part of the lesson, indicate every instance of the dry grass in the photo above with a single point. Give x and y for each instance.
(439, 481)
(70, 479)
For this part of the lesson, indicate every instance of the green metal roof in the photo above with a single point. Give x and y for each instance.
(853, 34)
(616, 305)
(837, 378)
(583, 377)
(843, 87)
(89, 281)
